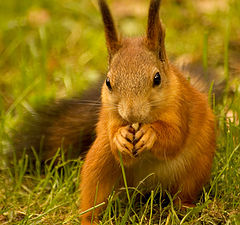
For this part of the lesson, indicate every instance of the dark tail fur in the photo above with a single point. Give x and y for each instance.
(68, 123)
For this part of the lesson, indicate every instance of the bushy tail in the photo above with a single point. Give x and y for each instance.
(69, 124)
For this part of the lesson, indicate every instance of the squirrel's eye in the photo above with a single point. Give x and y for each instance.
(157, 79)
(108, 84)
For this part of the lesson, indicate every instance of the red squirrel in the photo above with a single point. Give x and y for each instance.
(151, 116)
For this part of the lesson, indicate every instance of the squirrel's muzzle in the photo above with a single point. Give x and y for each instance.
(134, 111)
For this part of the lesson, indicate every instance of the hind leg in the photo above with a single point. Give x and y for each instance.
(190, 187)
(187, 194)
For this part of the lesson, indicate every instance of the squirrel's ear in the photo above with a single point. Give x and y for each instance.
(155, 30)
(112, 40)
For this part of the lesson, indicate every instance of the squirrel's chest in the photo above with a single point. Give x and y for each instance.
(154, 172)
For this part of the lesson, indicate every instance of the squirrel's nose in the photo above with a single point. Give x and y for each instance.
(133, 113)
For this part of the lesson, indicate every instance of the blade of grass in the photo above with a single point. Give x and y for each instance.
(124, 176)
(92, 208)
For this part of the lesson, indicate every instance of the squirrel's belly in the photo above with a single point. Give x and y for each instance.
(154, 172)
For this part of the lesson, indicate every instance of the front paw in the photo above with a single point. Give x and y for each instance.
(145, 138)
(123, 144)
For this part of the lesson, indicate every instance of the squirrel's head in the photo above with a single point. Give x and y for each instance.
(138, 80)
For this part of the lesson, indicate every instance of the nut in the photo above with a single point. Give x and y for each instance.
(135, 126)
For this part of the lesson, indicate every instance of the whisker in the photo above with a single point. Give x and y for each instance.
(91, 101)
(157, 102)
(90, 104)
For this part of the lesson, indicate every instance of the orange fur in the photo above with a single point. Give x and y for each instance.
(176, 138)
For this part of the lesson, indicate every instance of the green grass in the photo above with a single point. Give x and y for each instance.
(60, 54)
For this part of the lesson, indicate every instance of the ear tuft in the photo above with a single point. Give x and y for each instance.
(153, 19)
(112, 40)
(155, 30)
